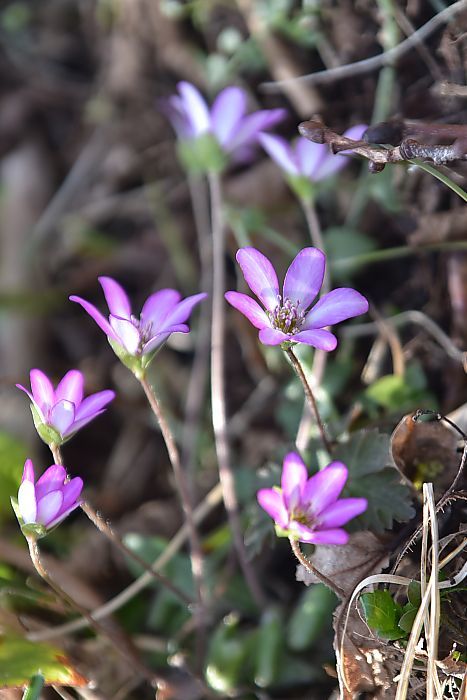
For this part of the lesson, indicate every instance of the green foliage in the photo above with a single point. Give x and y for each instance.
(400, 394)
(366, 455)
(12, 456)
(344, 245)
(382, 614)
(21, 659)
(312, 615)
(33, 692)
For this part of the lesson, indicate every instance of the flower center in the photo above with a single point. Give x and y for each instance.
(145, 331)
(287, 316)
(302, 517)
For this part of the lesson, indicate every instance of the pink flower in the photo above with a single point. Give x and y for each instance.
(64, 409)
(289, 317)
(309, 509)
(48, 501)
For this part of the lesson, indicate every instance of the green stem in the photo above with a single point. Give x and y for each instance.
(442, 177)
(377, 256)
(33, 691)
(306, 563)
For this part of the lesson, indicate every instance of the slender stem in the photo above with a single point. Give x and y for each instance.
(310, 397)
(125, 649)
(184, 492)
(106, 529)
(316, 235)
(219, 419)
(304, 561)
(197, 385)
(442, 177)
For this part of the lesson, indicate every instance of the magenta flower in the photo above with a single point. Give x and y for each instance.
(309, 509)
(304, 158)
(287, 317)
(163, 313)
(227, 120)
(59, 413)
(44, 504)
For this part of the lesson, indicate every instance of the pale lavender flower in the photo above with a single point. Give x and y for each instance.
(163, 313)
(309, 509)
(48, 501)
(304, 158)
(287, 317)
(227, 120)
(63, 409)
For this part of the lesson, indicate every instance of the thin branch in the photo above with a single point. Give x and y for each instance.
(219, 414)
(306, 563)
(369, 64)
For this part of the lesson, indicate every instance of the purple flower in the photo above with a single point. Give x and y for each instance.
(163, 313)
(310, 510)
(63, 409)
(49, 501)
(307, 159)
(226, 120)
(288, 316)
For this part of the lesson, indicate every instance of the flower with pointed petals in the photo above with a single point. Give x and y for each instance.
(287, 317)
(44, 504)
(136, 340)
(305, 162)
(59, 413)
(309, 509)
(226, 123)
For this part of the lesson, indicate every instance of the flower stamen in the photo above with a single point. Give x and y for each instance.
(287, 316)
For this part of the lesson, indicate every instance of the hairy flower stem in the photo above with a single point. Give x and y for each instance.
(106, 529)
(219, 418)
(184, 493)
(197, 385)
(123, 648)
(316, 236)
(306, 563)
(310, 397)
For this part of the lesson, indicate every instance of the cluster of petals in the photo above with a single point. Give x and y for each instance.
(49, 500)
(65, 409)
(227, 120)
(306, 158)
(163, 313)
(287, 317)
(309, 509)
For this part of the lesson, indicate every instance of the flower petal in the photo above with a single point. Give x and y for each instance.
(97, 316)
(182, 311)
(356, 132)
(49, 507)
(226, 112)
(279, 150)
(260, 276)
(341, 512)
(51, 480)
(126, 333)
(253, 124)
(272, 502)
(71, 387)
(174, 109)
(160, 338)
(293, 480)
(271, 336)
(62, 415)
(325, 487)
(116, 297)
(158, 306)
(304, 277)
(42, 390)
(331, 537)
(71, 492)
(93, 404)
(249, 308)
(26, 391)
(195, 107)
(62, 514)
(319, 338)
(27, 505)
(336, 306)
(28, 471)
(310, 156)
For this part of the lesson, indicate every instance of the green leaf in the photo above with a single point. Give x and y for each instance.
(407, 619)
(21, 659)
(12, 457)
(311, 617)
(269, 648)
(345, 244)
(414, 594)
(400, 394)
(227, 656)
(382, 614)
(388, 499)
(364, 452)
